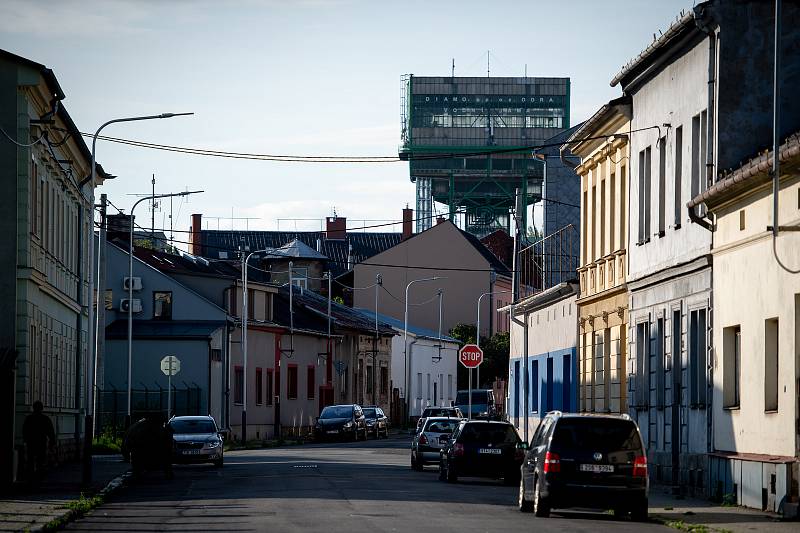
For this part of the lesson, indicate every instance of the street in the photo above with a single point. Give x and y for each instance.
(365, 486)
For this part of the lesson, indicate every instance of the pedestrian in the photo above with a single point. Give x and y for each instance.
(39, 436)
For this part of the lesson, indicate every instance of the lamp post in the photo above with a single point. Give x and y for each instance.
(478, 326)
(93, 324)
(405, 344)
(130, 288)
(245, 261)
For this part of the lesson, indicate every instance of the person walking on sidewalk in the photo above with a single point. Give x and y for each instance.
(39, 436)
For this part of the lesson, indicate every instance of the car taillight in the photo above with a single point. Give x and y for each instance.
(458, 450)
(640, 467)
(423, 439)
(552, 463)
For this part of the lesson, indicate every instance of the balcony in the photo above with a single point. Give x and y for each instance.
(603, 274)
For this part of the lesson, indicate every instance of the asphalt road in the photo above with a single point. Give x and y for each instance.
(365, 486)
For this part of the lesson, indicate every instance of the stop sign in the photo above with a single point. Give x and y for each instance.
(470, 355)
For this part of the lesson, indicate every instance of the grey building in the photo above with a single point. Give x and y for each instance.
(45, 212)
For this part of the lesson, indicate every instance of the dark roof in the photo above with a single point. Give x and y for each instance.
(144, 329)
(296, 249)
(399, 326)
(187, 264)
(344, 318)
(364, 244)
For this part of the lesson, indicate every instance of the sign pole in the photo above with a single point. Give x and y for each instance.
(469, 416)
(169, 394)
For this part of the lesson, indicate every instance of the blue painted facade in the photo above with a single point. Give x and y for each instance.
(553, 378)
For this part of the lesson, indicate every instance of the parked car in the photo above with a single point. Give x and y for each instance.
(148, 445)
(377, 421)
(427, 443)
(450, 412)
(482, 448)
(196, 439)
(483, 405)
(341, 421)
(585, 461)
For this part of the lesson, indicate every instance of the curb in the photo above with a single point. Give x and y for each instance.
(70, 515)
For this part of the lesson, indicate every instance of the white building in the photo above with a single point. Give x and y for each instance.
(544, 376)
(430, 368)
(756, 414)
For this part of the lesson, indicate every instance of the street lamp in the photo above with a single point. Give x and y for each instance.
(478, 326)
(405, 343)
(93, 323)
(130, 288)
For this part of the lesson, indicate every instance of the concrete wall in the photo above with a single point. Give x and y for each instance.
(440, 247)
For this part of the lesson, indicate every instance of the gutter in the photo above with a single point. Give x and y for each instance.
(702, 24)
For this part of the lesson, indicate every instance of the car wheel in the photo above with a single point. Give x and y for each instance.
(540, 506)
(525, 505)
(620, 513)
(452, 477)
(639, 511)
(416, 464)
(442, 472)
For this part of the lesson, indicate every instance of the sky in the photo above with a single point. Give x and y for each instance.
(310, 77)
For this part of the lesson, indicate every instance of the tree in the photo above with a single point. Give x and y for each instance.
(495, 355)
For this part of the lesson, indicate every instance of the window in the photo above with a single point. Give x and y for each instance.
(566, 380)
(216, 355)
(703, 141)
(108, 299)
(659, 360)
(599, 369)
(695, 155)
(662, 185)
(731, 365)
(697, 358)
(311, 381)
(534, 384)
(419, 386)
(648, 196)
(602, 218)
(162, 305)
(300, 277)
(642, 392)
(269, 388)
(259, 387)
(593, 226)
(677, 349)
(642, 197)
(585, 233)
(549, 384)
(384, 381)
(623, 196)
(238, 385)
(370, 377)
(612, 202)
(428, 396)
(678, 176)
(771, 364)
(251, 304)
(741, 220)
(450, 386)
(291, 382)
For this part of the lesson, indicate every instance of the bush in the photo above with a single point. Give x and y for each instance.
(107, 442)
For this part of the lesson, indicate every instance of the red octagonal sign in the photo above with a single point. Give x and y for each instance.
(470, 355)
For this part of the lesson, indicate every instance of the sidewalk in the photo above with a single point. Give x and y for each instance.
(24, 509)
(687, 512)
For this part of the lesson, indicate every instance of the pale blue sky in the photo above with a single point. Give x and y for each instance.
(300, 77)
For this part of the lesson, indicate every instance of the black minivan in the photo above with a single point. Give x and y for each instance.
(582, 460)
(482, 448)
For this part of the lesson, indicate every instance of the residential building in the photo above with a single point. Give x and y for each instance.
(543, 369)
(603, 300)
(169, 318)
(428, 365)
(698, 107)
(46, 211)
(466, 267)
(756, 331)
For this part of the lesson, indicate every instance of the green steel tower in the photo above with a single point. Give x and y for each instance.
(463, 139)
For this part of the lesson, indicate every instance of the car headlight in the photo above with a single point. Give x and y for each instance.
(348, 425)
(213, 444)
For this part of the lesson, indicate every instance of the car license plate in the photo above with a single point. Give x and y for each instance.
(491, 451)
(332, 431)
(597, 468)
(191, 452)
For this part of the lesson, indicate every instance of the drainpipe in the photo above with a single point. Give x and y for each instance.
(702, 24)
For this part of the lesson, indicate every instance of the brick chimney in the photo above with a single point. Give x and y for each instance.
(336, 228)
(196, 248)
(408, 217)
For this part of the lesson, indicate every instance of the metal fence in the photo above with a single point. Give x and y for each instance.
(549, 261)
(112, 404)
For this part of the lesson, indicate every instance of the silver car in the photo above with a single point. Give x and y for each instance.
(434, 433)
(196, 439)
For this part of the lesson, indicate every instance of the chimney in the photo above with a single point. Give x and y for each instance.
(439, 220)
(408, 216)
(336, 228)
(118, 227)
(196, 248)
